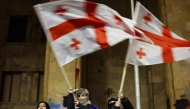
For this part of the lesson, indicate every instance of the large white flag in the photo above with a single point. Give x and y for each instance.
(75, 27)
(164, 45)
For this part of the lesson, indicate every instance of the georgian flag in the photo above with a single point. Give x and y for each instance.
(75, 28)
(164, 45)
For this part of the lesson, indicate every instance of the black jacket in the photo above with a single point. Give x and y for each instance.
(124, 101)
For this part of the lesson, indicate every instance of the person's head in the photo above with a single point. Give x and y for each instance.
(82, 95)
(43, 105)
(181, 103)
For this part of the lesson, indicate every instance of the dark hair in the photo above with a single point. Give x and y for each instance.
(181, 103)
(47, 105)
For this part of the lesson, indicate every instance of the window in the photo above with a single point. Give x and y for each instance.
(17, 29)
(22, 86)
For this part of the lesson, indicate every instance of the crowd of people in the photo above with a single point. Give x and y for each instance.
(79, 99)
(82, 100)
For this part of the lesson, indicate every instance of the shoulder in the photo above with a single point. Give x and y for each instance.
(125, 99)
(92, 106)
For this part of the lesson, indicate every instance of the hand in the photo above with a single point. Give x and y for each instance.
(112, 102)
(70, 90)
(118, 103)
(76, 102)
(120, 94)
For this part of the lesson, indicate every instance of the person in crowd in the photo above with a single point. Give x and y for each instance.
(119, 102)
(43, 105)
(78, 99)
(182, 104)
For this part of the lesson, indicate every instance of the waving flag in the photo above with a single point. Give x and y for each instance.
(164, 45)
(75, 28)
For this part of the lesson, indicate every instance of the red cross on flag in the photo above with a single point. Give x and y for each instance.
(164, 45)
(75, 28)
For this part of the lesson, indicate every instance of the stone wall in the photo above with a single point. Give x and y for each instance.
(176, 15)
(23, 57)
(26, 57)
(178, 18)
(19, 105)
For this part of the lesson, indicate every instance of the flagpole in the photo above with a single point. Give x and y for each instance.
(123, 76)
(137, 87)
(66, 77)
(136, 77)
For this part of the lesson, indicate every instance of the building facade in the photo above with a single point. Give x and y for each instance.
(29, 71)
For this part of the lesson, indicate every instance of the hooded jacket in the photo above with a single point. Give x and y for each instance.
(124, 101)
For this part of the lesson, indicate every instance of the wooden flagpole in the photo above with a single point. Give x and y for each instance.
(123, 76)
(66, 79)
(65, 76)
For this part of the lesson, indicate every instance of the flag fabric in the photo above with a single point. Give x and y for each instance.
(187, 60)
(164, 45)
(75, 28)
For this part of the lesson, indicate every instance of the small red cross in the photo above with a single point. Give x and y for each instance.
(147, 18)
(75, 44)
(140, 53)
(60, 10)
